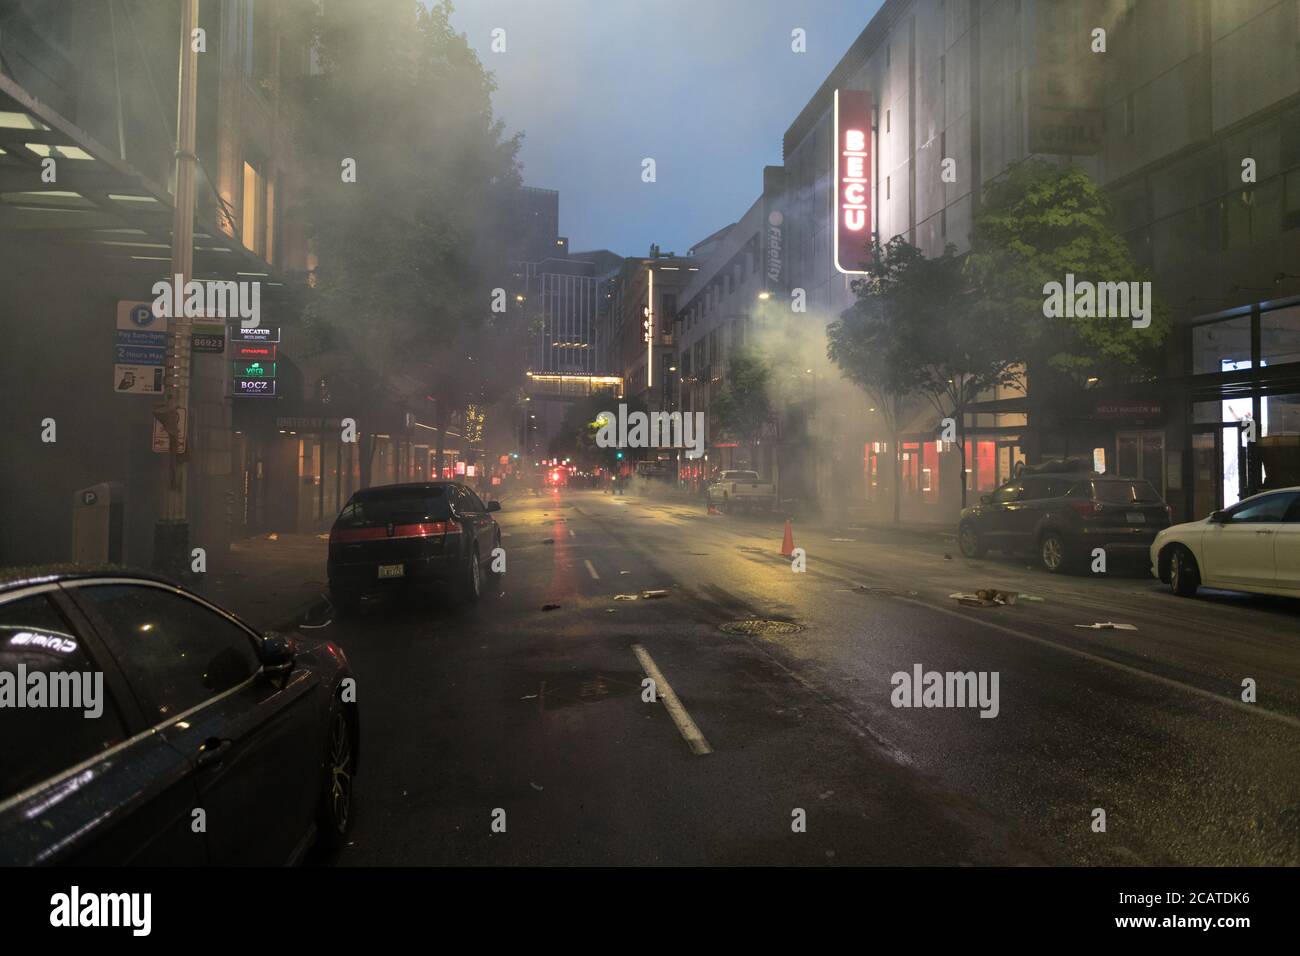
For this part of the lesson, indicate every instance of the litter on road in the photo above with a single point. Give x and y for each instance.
(549, 607)
(648, 595)
(986, 597)
(624, 597)
(1108, 626)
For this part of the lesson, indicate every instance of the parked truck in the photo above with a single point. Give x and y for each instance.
(741, 491)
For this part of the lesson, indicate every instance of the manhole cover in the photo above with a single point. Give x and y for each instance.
(756, 626)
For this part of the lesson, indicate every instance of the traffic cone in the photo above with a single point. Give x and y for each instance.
(787, 546)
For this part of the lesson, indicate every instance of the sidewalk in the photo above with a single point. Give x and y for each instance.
(271, 582)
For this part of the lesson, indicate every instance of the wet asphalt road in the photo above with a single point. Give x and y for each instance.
(501, 706)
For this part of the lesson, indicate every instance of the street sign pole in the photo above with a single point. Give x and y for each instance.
(171, 535)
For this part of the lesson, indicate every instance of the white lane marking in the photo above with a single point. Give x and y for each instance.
(685, 726)
(591, 569)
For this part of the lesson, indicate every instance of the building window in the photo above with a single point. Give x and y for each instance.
(257, 220)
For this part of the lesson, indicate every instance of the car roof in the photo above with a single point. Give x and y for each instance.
(406, 486)
(14, 578)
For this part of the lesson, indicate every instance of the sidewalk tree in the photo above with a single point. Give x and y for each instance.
(744, 403)
(1038, 224)
(872, 345)
(405, 267)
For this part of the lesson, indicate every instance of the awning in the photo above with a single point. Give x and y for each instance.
(98, 202)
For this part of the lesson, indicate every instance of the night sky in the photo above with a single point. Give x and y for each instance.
(706, 88)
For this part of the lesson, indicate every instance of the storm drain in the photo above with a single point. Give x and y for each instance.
(754, 626)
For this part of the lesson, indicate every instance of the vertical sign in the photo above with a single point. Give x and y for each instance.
(774, 225)
(852, 121)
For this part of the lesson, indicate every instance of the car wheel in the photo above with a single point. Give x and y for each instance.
(970, 543)
(334, 815)
(1184, 575)
(346, 603)
(1052, 552)
(472, 587)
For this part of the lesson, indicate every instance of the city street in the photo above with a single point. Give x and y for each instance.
(504, 705)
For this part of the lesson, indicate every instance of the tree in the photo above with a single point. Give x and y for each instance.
(744, 405)
(872, 345)
(1037, 225)
(957, 351)
(410, 163)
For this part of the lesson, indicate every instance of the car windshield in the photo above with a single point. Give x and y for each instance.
(382, 506)
(1125, 493)
(741, 476)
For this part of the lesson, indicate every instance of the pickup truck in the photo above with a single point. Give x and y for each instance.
(741, 491)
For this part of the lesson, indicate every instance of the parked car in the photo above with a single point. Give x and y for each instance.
(1063, 517)
(197, 711)
(1252, 546)
(741, 491)
(411, 535)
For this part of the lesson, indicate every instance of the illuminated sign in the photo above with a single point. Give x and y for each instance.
(270, 334)
(254, 369)
(254, 353)
(254, 386)
(852, 119)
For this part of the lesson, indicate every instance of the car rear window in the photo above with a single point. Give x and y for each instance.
(741, 476)
(379, 506)
(1125, 492)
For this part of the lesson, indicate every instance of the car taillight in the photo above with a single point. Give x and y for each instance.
(1169, 510)
(1086, 509)
(349, 535)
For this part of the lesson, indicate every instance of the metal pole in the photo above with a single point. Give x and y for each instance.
(171, 540)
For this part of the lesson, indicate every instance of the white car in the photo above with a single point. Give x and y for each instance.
(1252, 546)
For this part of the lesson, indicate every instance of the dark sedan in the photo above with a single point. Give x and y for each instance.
(1063, 518)
(141, 724)
(410, 535)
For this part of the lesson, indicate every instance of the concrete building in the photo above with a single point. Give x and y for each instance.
(92, 86)
(1185, 92)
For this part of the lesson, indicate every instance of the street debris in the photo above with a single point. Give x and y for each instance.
(548, 541)
(625, 572)
(986, 597)
(844, 539)
(624, 597)
(648, 595)
(535, 786)
(1108, 626)
(529, 697)
(323, 537)
(550, 607)
(272, 537)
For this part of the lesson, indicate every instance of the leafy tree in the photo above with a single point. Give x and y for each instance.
(744, 403)
(1037, 224)
(402, 290)
(872, 344)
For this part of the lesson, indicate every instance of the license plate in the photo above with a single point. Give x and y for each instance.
(392, 570)
(1136, 517)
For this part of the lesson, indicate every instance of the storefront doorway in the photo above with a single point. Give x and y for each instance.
(1218, 467)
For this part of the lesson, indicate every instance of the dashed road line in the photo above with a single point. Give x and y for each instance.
(685, 726)
(591, 569)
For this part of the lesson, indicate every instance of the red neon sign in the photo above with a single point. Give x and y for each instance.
(852, 119)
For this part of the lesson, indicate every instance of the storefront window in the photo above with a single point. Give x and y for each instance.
(1221, 346)
(1279, 336)
(1279, 448)
(981, 465)
(911, 467)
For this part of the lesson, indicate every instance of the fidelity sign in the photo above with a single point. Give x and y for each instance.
(852, 118)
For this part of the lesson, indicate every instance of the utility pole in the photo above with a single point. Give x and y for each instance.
(171, 535)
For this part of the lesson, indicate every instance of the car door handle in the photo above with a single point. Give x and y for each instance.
(212, 751)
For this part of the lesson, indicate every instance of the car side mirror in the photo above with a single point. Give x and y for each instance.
(494, 506)
(1218, 517)
(986, 499)
(277, 652)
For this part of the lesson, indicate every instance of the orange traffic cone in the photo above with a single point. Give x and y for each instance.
(787, 546)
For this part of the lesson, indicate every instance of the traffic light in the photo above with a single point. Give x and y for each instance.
(619, 456)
